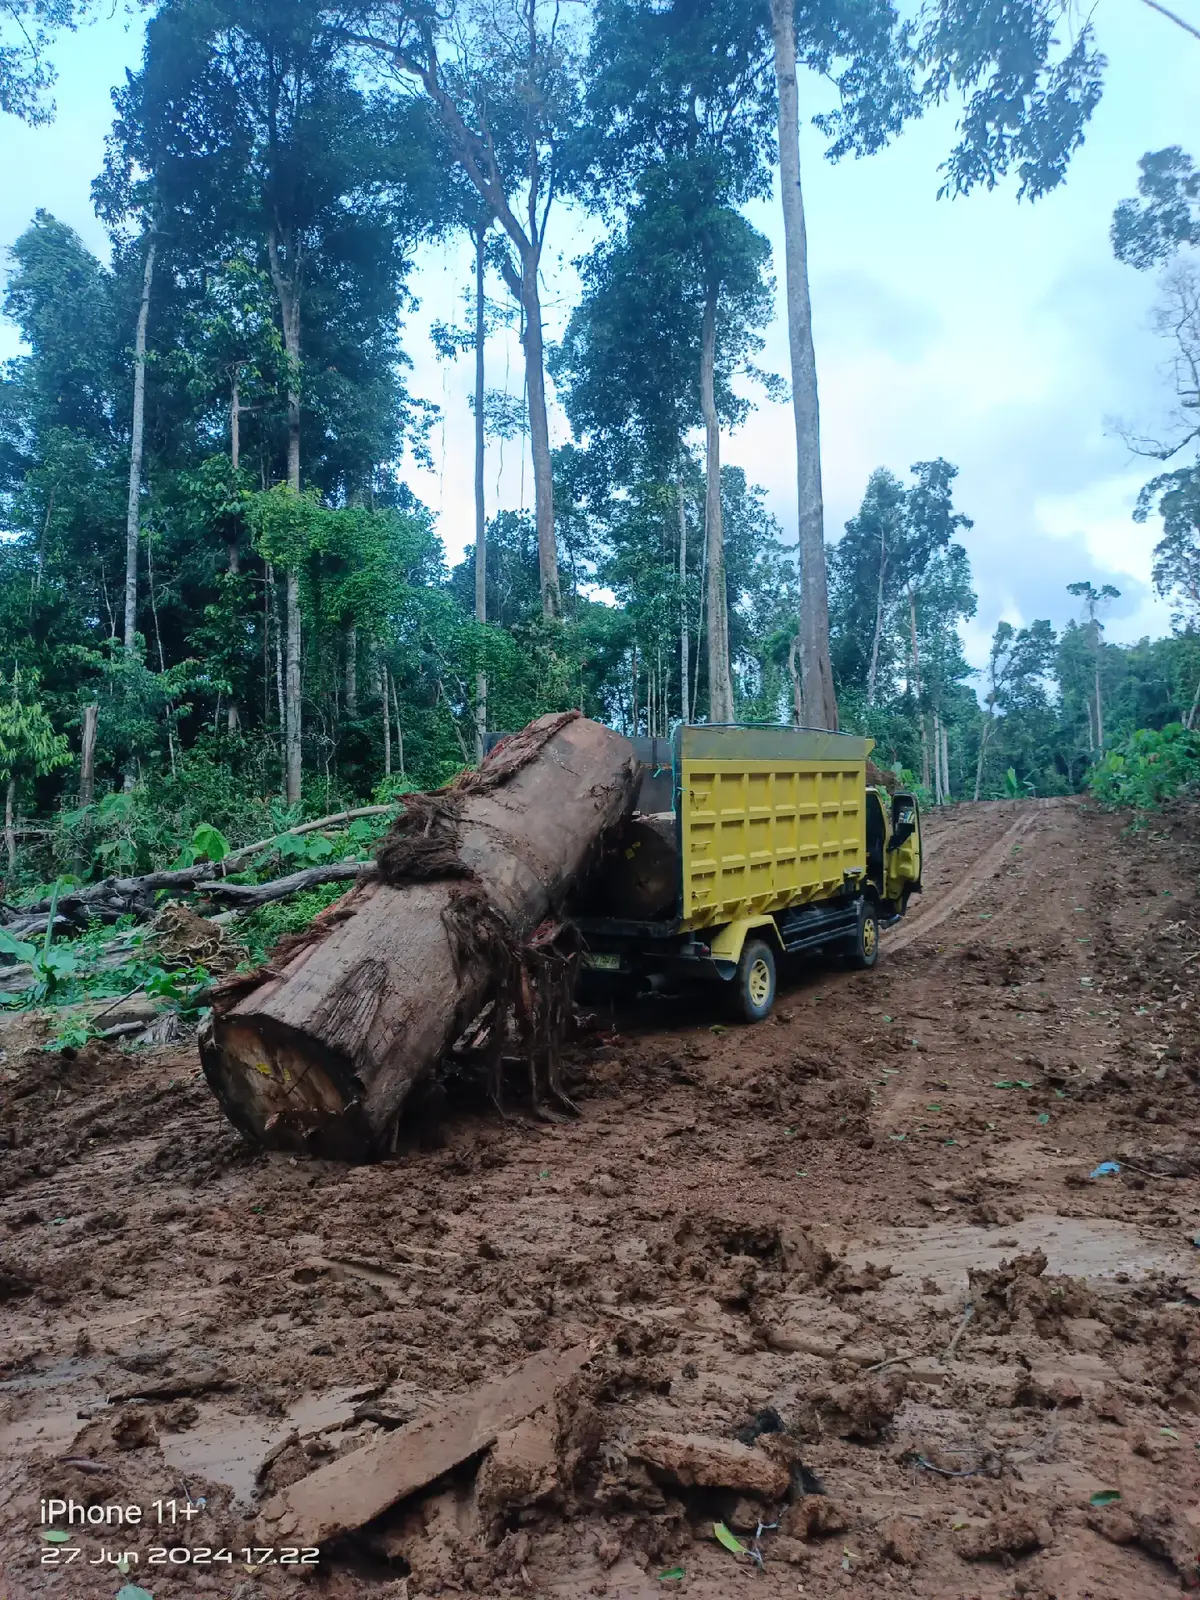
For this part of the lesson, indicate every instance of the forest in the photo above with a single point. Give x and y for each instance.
(223, 610)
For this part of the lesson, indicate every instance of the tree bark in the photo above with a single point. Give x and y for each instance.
(945, 764)
(1193, 716)
(387, 722)
(87, 755)
(539, 436)
(399, 728)
(287, 291)
(873, 672)
(235, 422)
(1099, 713)
(481, 684)
(10, 837)
(720, 682)
(137, 438)
(683, 617)
(820, 702)
(322, 1055)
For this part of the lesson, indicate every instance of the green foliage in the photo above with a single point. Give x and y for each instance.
(263, 929)
(1166, 215)
(1148, 767)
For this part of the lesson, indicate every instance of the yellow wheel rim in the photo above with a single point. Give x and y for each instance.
(870, 936)
(759, 982)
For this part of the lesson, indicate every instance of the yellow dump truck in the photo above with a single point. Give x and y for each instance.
(749, 843)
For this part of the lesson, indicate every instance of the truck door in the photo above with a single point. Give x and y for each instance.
(904, 848)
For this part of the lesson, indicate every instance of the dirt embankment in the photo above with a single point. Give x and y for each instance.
(868, 1227)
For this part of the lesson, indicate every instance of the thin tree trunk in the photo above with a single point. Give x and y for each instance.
(873, 671)
(10, 837)
(984, 735)
(1193, 716)
(388, 722)
(235, 422)
(700, 626)
(820, 702)
(945, 763)
(399, 729)
(481, 685)
(720, 684)
(279, 690)
(916, 660)
(287, 290)
(87, 755)
(634, 700)
(1099, 712)
(136, 442)
(683, 619)
(539, 436)
(351, 648)
(797, 684)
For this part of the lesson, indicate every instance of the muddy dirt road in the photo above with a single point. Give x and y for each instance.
(872, 1216)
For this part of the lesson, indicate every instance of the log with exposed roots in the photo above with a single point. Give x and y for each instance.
(320, 1049)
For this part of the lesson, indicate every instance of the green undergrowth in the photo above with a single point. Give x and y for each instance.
(1148, 768)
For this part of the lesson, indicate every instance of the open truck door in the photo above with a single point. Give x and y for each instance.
(903, 856)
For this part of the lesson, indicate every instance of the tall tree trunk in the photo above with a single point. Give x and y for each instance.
(916, 661)
(235, 422)
(87, 755)
(1099, 713)
(820, 702)
(683, 617)
(793, 668)
(399, 728)
(136, 441)
(539, 435)
(10, 837)
(1193, 717)
(279, 690)
(351, 648)
(945, 762)
(984, 735)
(287, 290)
(720, 682)
(481, 684)
(873, 671)
(387, 722)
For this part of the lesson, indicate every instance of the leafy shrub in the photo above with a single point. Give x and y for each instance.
(1147, 768)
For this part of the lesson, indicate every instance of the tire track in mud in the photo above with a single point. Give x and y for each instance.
(954, 899)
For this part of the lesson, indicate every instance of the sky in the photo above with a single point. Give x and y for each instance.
(1000, 335)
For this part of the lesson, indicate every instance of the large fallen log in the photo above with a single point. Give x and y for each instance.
(320, 1049)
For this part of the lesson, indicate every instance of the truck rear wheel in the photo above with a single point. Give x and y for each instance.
(865, 949)
(753, 983)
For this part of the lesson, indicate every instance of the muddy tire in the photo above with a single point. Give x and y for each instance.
(864, 949)
(753, 984)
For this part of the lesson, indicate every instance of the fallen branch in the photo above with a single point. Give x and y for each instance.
(248, 896)
(115, 897)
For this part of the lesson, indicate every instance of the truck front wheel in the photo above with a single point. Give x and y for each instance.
(753, 983)
(865, 949)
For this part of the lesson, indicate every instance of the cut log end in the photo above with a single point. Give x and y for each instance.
(281, 1090)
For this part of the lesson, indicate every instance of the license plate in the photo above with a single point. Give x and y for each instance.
(602, 962)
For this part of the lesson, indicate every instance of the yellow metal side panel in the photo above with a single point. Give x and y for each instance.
(760, 836)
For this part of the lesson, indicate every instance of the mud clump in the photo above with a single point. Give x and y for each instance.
(862, 1411)
(814, 1516)
(1010, 1534)
(694, 1461)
